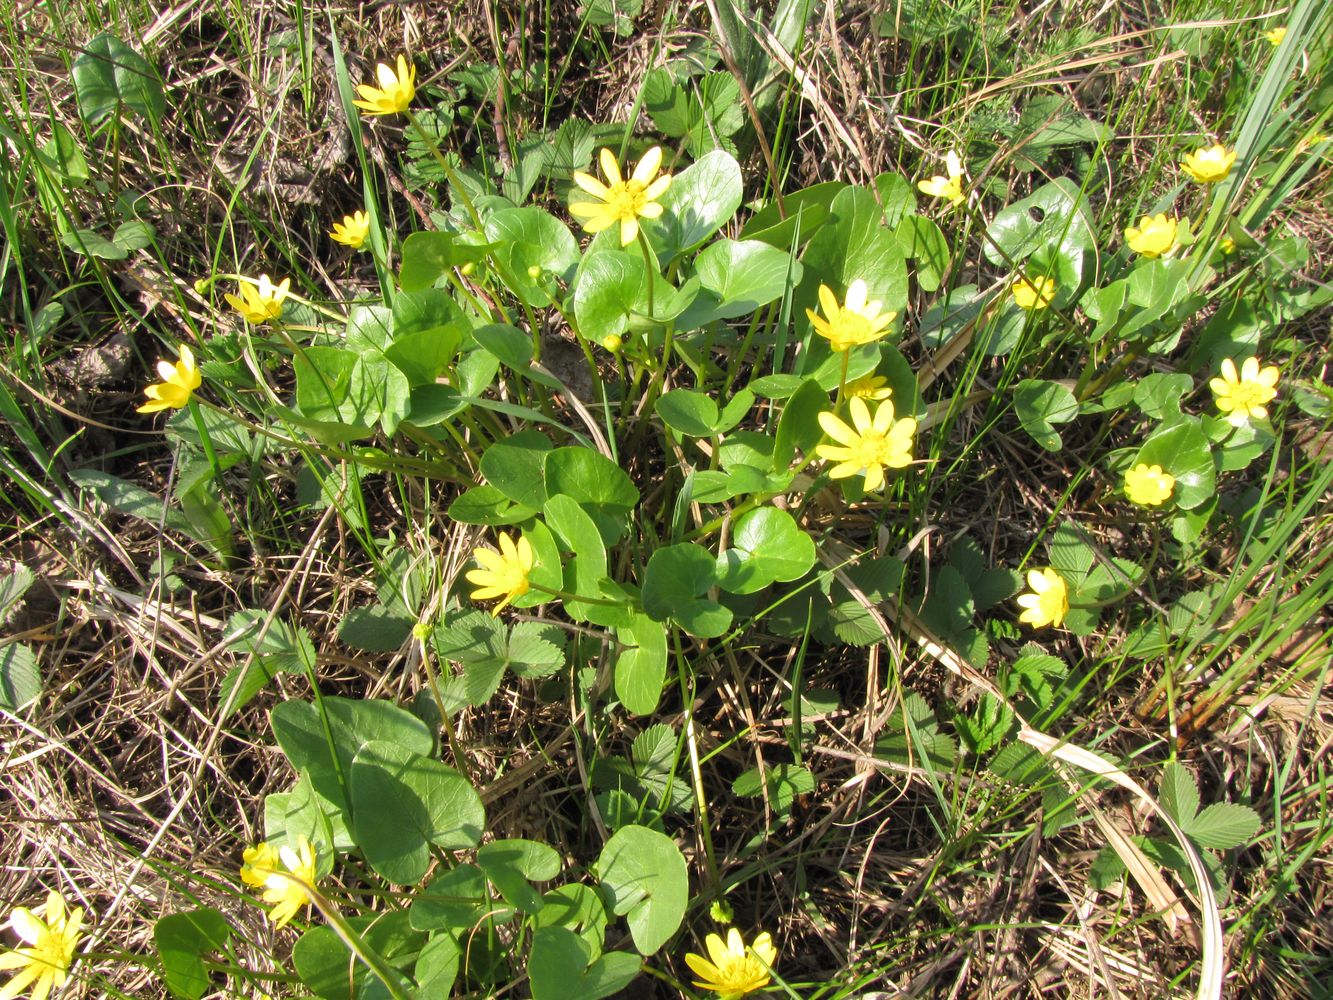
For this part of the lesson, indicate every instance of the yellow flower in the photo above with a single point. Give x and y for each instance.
(178, 383)
(868, 445)
(1227, 245)
(1048, 603)
(855, 322)
(1209, 165)
(950, 187)
(1033, 294)
(287, 890)
(353, 229)
(258, 863)
(613, 342)
(1276, 35)
(394, 93)
(621, 200)
(1155, 235)
(1244, 396)
(1148, 485)
(874, 387)
(50, 945)
(504, 573)
(261, 301)
(731, 970)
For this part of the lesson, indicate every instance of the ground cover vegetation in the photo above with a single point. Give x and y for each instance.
(666, 499)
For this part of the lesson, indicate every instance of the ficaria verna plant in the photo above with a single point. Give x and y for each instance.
(661, 416)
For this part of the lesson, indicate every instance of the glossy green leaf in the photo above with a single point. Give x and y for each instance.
(923, 241)
(597, 484)
(688, 411)
(641, 666)
(109, 74)
(486, 504)
(577, 908)
(1040, 405)
(898, 196)
(674, 585)
(701, 199)
(644, 874)
(610, 290)
(805, 211)
(20, 677)
(512, 864)
(559, 968)
(299, 730)
(514, 466)
(767, 546)
(532, 238)
(182, 939)
(743, 276)
(426, 257)
(1055, 216)
(402, 803)
(1182, 450)
(798, 427)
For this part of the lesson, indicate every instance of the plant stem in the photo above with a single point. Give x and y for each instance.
(449, 172)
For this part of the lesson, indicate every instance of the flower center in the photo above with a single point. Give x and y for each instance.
(869, 449)
(848, 329)
(1248, 395)
(625, 200)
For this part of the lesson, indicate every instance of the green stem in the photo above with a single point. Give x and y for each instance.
(443, 161)
(206, 441)
(373, 959)
(432, 680)
(565, 595)
(696, 772)
(649, 272)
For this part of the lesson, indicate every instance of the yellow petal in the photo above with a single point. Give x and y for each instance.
(647, 168)
(610, 168)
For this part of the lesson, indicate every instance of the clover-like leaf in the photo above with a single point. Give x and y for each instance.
(402, 803)
(644, 874)
(767, 546)
(1040, 405)
(674, 583)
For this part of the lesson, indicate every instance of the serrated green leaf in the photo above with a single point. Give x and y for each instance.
(1223, 825)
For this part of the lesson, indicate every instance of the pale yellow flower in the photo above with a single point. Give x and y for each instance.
(731, 970)
(869, 445)
(504, 573)
(1048, 602)
(1276, 35)
(258, 863)
(394, 93)
(47, 952)
(1149, 485)
(622, 200)
(352, 231)
(1208, 165)
(177, 386)
(1245, 394)
(286, 888)
(260, 301)
(875, 387)
(1032, 295)
(1154, 236)
(950, 187)
(855, 322)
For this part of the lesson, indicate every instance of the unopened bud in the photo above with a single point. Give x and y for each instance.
(613, 342)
